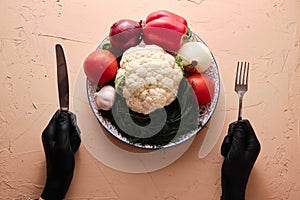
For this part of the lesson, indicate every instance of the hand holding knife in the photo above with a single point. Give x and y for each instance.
(61, 138)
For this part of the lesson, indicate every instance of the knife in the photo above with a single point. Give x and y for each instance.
(62, 78)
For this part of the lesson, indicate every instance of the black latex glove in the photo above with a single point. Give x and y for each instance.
(240, 149)
(61, 139)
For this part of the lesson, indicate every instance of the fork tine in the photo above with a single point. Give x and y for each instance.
(237, 71)
(240, 77)
(244, 73)
(247, 75)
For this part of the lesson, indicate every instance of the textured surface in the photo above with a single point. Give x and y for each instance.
(265, 33)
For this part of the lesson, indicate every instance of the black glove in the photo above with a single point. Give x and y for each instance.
(240, 149)
(61, 139)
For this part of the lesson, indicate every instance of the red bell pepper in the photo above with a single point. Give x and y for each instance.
(165, 13)
(165, 29)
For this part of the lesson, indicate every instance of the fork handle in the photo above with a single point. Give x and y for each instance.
(240, 107)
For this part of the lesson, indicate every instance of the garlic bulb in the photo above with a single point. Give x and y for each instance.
(105, 97)
(196, 54)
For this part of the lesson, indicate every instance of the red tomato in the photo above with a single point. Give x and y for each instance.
(100, 66)
(203, 87)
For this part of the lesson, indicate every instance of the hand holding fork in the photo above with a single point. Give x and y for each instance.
(240, 146)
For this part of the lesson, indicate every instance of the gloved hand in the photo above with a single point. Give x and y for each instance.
(61, 139)
(240, 149)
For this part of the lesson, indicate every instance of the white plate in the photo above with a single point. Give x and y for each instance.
(205, 111)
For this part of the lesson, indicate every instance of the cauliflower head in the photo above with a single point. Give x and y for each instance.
(151, 76)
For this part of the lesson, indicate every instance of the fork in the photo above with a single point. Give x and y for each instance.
(241, 83)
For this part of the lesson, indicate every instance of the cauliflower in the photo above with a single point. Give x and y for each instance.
(152, 78)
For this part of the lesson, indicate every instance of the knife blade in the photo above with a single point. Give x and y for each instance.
(62, 78)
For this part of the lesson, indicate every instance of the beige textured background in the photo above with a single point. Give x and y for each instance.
(264, 32)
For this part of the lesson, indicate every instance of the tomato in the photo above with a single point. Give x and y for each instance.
(100, 66)
(203, 87)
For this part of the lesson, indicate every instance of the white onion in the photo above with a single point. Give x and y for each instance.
(196, 54)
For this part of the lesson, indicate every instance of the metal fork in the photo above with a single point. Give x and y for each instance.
(241, 83)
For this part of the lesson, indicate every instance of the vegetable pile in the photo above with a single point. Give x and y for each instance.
(168, 77)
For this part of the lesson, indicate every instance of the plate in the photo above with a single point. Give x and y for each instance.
(204, 112)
